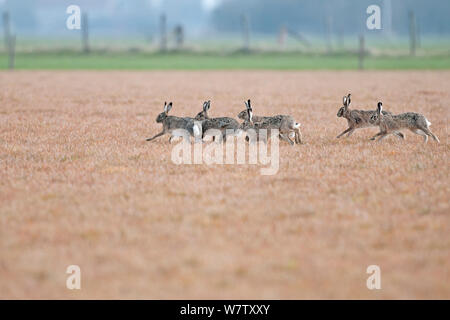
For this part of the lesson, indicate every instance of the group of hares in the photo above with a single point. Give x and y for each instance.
(288, 128)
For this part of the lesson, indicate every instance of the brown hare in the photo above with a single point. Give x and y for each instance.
(222, 123)
(248, 124)
(388, 124)
(286, 125)
(358, 119)
(172, 123)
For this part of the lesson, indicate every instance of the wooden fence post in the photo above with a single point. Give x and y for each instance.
(329, 30)
(245, 32)
(418, 35)
(412, 34)
(282, 37)
(11, 51)
(6, 29)
(179, 36)
(85, 32)
(387, 17)
(341, 39)
(361, 53)
(163, 33)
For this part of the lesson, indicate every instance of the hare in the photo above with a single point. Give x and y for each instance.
(222, 123)
(248, 122)
(172, 123)
(285, 124)
(415, 122)
(358, 119)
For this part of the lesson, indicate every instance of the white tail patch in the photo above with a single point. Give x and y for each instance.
(297, 125)
(196, 130)
(428, 122)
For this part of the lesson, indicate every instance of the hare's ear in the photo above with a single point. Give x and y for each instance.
(205, 105)
(168, 107)
(208, 105)
(165, 106)
(379, 107)
(348, 99)
(249, 106)
(250, 114)
(344, 101)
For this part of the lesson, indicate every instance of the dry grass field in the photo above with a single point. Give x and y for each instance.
(79, 185)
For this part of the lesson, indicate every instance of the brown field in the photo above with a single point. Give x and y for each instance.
(79, 185)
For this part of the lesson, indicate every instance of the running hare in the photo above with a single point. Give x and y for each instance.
(248, 124)
(285, 124)
(172, 123)
(358, 119)
(222, 123)
(415, 122)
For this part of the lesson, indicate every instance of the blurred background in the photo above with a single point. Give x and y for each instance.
(222, 34)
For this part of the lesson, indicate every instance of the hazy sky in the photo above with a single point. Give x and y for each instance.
(209, 4)
(223, 16)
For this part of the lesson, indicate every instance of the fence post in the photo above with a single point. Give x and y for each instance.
(412, 34)
(329, 30)
(163, 33)
(418, 35)
(6, 29)
(361, 53)
(282, 37)
(387, 17)
(11, 51)
(245, 32)
(85, 32)
(179, 36)
(341, 39)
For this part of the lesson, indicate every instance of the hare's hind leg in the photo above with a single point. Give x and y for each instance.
(429, 133)
(283, 137)
(290, 140)
(434, 136)
(298, 136)
(422, 133)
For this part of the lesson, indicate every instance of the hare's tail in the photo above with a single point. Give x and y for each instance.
(196, 130)
(296, 125)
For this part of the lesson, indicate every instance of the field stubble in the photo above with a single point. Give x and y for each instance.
(79, 185)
